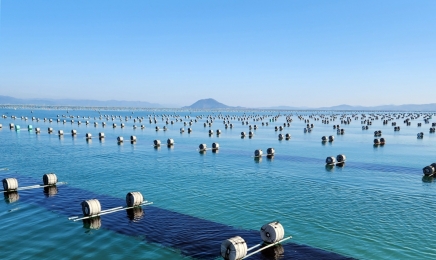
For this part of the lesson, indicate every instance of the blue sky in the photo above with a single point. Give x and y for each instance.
(242, 53)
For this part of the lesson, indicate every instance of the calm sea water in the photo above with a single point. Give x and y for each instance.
(378, 206)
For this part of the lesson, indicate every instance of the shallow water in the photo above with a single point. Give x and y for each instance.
(378, 206)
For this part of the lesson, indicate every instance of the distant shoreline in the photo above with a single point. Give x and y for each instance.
(72, 108)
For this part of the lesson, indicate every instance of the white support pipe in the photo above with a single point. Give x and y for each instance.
(33, 187)
(111, 211)
(265, 247)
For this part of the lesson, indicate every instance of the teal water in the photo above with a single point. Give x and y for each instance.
(377, 206)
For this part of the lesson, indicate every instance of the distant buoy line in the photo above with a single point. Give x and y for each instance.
(251, 125)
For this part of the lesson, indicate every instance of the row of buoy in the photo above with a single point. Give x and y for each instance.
(331, 138)
(286, 136)
(339, 160)
(269, 152)
(250, 134)
(157, 142)
(11, 187)
(203, 147)
(236, 248)
(92, 208)
(380, 141)
(11, 184)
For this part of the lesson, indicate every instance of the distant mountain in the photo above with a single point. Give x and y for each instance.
(208, 103)
(6, 100)
(406, 107)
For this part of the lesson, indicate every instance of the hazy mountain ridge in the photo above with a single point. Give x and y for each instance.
(208, 103)
(405, 107)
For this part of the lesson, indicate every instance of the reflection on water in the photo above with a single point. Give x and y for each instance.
(92, 223)
(50, 191)
(427, 179)
(258, 159)
(11, 197)
(274, 252)
(329, 168)
(340, 164)
(135, 214)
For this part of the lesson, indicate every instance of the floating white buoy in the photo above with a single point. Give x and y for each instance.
(61, 132)
(114, 125)
(88, 135)
(134, 199)
(287, 136)
(250, 134)
(376, 141)
(157, 128)
(210, 132)
(73, 132)
(382, 141)
(218, 132)
(10, 184)
(189, 130)
(272, 232)
(330, 160)
(182, 130)
(280, 137)
(242, 134)
(324, 138)
(49, 179)
(341, 158)
(101, 135)
(331, 138)
(156, 142)
(11, 126)
(258, 153)
(234, 248)
(270, 151)
(132, 138)
(170, 142)
(215, 146)
(120, 139)
(429, 170)
(37, 130)
(91, 207)
(202, 147)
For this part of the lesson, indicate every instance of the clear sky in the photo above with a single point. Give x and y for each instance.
(247, 53)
